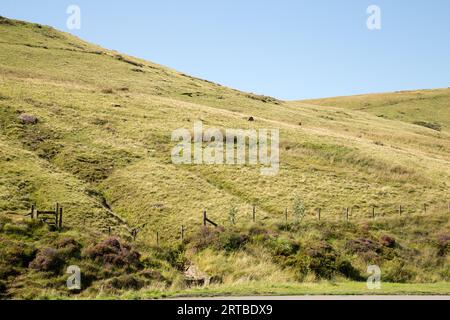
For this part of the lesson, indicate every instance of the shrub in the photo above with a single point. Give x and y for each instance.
(345, 268)
(125, 282)
(363, 245)
(219, 239)
(282, 246)
(174, 256)
(322, 260)
(19, 229)
(69, 248)
(299, 209)
(47, 260)
(231, 241)
(151, 274)
(387, 241)
(261, 233)
(17, 255)
(112, 253)
(397, 271)
(443, 243)
(6, 271)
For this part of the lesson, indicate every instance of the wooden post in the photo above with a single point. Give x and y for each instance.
(254, 213)
(400, 210)
(318, 213)
(56, 215)
(204, 218)
(60, 217)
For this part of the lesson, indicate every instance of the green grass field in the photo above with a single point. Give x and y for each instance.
(101, 148)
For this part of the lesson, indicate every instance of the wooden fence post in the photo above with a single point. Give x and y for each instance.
(60, 217)
(400, 210)
(204, 218)
(56, 215)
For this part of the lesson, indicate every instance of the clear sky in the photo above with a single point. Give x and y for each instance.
(290, 49)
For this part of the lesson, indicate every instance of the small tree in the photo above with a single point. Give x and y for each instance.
(232, 215)
(298, 208)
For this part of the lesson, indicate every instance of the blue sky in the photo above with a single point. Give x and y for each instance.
(286, 48)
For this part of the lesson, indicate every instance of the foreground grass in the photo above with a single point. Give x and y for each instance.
(296, 289)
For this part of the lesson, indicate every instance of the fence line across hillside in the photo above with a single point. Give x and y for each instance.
(317, 214)
(54, 217)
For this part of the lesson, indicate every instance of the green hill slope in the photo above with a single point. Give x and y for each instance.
(422, 107)
(101, 146)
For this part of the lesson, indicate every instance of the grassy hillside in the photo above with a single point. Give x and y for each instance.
(99, 144)
(422, 107)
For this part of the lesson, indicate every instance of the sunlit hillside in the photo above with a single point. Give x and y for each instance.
(101, 146)
(90, 129)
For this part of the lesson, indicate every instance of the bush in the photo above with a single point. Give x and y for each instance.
(397, 271)
(219, 239)
(19, 229)
(261, 233)
(345, 268)
(7, 271)
(282, 247)
(205, 237)
(363, 245)
(443, 243)
(48, 260)
(174, 256)
(112, 253)
(322, 260)
(17, 255)
(299, 209)
(231, 241)
(150, 274)
(125, 282)
(69, 248)
(387, 241)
